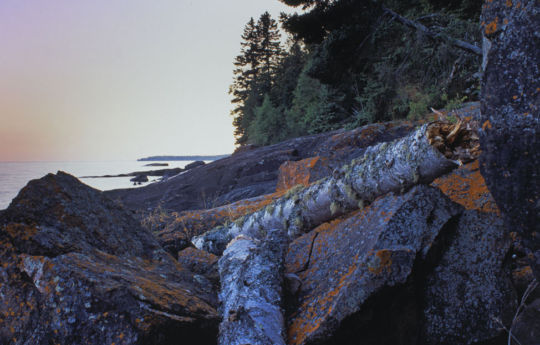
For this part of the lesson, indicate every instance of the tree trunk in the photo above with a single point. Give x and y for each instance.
(420, 157)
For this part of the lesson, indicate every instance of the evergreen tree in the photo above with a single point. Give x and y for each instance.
(254, 72)
(382, 69)
(269, 50)
(245, 74)
(268, 125)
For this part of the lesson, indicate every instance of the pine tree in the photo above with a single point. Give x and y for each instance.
(269, 50)
(254, 72)
(245, 73)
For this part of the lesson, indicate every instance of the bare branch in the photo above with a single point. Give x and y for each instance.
(471, 48)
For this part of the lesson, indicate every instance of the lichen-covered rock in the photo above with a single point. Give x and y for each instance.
(344, 264)
(75, 268)
(177, 230)
(200, 262)
(467, 187)
(302, 172)
(470, 288)
(510, 115)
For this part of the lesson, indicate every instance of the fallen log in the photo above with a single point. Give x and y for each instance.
(430, 151)
(251, 274)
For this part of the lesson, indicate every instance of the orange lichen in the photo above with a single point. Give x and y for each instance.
(523, 272)
(315, 311)
(300, 172)
(467, 187)
(194, 223)
(383, 261)
(20, 231)
(491, 27)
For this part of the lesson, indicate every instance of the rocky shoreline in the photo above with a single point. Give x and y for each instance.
(385, 234)
(79, 268)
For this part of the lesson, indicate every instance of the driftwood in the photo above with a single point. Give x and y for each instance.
(420, 157)
(251, 274)
(252, 264)
(471, 48)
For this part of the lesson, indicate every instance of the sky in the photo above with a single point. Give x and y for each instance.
(119, 79)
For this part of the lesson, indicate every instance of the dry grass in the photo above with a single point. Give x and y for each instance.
(530, 288)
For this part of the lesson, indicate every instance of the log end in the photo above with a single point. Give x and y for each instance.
(457, 141)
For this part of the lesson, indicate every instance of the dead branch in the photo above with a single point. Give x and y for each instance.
(471, 48)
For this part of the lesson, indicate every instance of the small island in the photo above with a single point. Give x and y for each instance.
(182, 158)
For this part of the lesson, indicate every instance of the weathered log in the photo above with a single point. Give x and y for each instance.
(420, 157)
(251, 272)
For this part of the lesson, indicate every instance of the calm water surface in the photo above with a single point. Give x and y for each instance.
(15, 175)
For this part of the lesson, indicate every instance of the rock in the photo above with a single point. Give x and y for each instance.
(510, 116)
(141, 174)
(200, 262)
(194, 165)
(302, 172)
(139, 179)
(177, 231)
(244, 148)
(253, 172)
(467, 187)
(527, 324)
(344, 264)
(157, 165)
(470, 288)
(76, 268)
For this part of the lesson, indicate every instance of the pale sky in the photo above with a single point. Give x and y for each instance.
(119, 79)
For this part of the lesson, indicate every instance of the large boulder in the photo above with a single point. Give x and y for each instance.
(467, 187)
(345, 264)
(408, 269)
(510, 115)
(469, 295)
(75, 268)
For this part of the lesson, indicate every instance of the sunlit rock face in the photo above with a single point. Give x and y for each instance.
(77, 269)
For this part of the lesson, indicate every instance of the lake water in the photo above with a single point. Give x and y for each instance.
(15, 175)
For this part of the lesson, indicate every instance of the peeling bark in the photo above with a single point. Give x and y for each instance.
(425, 154)
(251, 272)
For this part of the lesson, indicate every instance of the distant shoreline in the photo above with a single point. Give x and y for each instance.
(182, 158)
